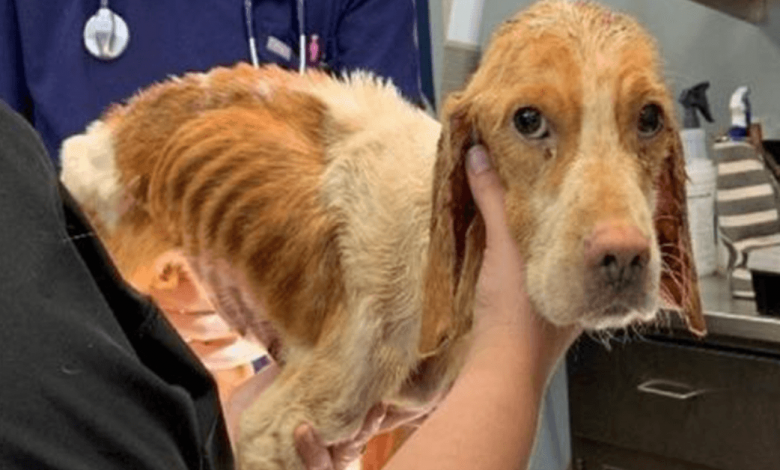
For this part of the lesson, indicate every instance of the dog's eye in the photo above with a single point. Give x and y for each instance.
(531, 123)
(651, 120)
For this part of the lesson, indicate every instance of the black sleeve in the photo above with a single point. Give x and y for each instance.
(92, 374)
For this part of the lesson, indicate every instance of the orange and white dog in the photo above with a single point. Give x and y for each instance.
(332, 220)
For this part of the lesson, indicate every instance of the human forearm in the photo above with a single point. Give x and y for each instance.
(489, 418)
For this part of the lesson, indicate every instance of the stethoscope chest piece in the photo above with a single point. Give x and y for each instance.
(106, 34)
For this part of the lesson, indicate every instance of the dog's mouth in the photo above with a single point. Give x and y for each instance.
(617, 310)
(620, 314)
(619, 300)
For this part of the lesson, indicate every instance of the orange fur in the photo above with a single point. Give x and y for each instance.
(294, 235)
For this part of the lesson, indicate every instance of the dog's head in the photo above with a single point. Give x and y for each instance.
(570, 101)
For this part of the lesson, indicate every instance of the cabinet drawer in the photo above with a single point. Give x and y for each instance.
(712, 408)
(591, 455)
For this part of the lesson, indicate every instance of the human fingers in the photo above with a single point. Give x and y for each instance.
(488, 194)
(346, 452)
(396, 417)
(500, 298)
(371, 424)
(317, 456)
(311, 449)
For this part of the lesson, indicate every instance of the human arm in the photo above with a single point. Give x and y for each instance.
(489, 418)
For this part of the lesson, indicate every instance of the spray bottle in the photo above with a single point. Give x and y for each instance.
(740, 113)
(702, 179)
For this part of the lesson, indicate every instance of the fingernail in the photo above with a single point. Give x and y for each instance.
(477, 159)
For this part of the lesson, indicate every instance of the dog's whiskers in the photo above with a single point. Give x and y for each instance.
(603, 337)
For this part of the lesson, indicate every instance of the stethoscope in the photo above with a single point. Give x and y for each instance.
(250, 34)
(106, 34)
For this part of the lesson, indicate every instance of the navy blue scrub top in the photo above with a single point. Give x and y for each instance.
(47, 75)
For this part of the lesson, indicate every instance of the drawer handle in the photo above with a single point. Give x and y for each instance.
(669, 389)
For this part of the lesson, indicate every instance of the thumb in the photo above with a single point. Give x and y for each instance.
(488, 193)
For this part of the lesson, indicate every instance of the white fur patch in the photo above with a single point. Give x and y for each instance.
(89, 172)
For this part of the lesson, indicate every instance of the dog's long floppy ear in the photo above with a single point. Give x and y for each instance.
(679, 280)
(457, 235)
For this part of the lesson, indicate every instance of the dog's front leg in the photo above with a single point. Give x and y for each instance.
(332, 386)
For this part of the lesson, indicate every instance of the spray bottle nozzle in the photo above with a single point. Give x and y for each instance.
(693, 99)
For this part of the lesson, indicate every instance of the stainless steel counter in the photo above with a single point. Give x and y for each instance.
(733, 317)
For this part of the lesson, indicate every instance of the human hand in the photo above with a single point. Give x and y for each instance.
(381, 418)
(502, 306)
(315, 454)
